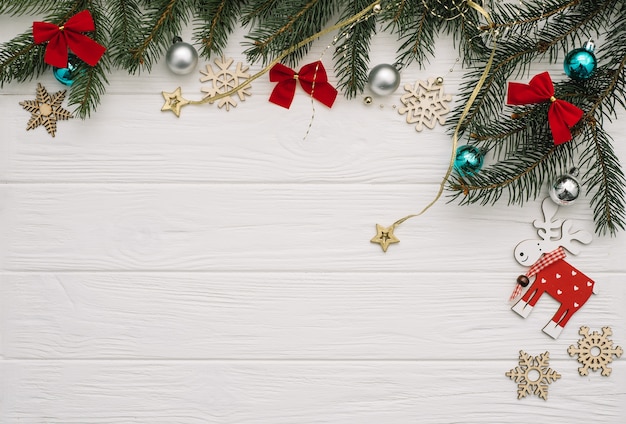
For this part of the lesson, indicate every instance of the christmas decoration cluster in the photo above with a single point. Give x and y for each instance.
(507, 153)
(540, 133)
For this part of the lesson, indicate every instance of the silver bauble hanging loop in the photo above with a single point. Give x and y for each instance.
(181, 57)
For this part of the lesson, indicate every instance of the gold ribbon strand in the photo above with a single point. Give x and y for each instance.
(174, 101)
(384, 235)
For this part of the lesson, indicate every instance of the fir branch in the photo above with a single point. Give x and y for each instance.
(352, 50)
(163, 20)
(515, 55)
(523, 178)
(255, 11)
(605, 180)
(218, 18)
(527, 19)
(416, 28)
(28, 7)
(125, 17)
(88, 86)
(21, 59)
(522, 175)
(288, 23)
(89, 83)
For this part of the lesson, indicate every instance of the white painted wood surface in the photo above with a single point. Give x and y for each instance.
(217, 268)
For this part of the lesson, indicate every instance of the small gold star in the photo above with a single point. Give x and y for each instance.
(174, 101)
(384, 236)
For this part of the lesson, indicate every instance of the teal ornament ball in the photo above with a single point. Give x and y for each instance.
(580, 64)
(468, 160)
(67, 75)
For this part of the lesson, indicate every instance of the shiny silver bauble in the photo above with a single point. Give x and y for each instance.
(181, 57)
(383, 79)
(565, 189)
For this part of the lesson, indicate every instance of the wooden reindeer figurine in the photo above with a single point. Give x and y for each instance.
(552, 273)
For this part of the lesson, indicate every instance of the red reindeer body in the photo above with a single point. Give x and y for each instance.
(566, 285)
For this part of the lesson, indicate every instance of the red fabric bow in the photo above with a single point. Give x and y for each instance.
(313, 80)
(562, 115)
(68, 35)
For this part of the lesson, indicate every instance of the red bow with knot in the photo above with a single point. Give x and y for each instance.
(68, 35)
(562, 115)
(313, 80)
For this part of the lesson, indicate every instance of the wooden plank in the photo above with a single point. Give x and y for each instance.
(421, 316)
(257, 227)
(297, 392)
(139, 143)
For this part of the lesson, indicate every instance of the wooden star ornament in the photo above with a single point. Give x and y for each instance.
(174, 101)
(46, 110)
(384, 236)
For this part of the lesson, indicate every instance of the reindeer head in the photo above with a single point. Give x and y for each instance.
(529, 251)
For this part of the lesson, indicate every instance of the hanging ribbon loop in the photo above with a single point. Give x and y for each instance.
(312, 78)
(562, 115)
(60, 37)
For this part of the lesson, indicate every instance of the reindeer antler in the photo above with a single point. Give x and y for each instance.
(548, 229)
(568, 237)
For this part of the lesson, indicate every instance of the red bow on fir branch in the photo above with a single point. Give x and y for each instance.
(562, 115)
(68, 35)
(313, 80)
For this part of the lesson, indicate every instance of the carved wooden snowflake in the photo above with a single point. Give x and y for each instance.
(223, 80)
(425, 103)
(595, 351)
(533, 375)
(46, 110)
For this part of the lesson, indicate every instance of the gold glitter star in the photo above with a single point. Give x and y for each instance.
(174, 101)
(384, 236)
(46, 110)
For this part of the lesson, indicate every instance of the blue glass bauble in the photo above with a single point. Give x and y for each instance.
(468, 160)
(580, 64)
(66, 75)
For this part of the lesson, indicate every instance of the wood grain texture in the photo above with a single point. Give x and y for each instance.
(409, 316)
(438, 392)
(216, 268)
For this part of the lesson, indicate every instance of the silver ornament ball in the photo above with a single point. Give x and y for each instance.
(181, 57)
(383, 79)
(565, 189)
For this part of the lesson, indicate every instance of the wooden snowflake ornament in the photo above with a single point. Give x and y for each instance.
(46, 110)
(425, 103)
(223, 80)
(533, 375)
(595, 351)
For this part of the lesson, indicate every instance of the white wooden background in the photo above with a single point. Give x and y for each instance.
(216, 268)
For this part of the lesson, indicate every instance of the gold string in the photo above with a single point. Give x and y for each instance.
(287, 52)
(344, 34)
(468, 105)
